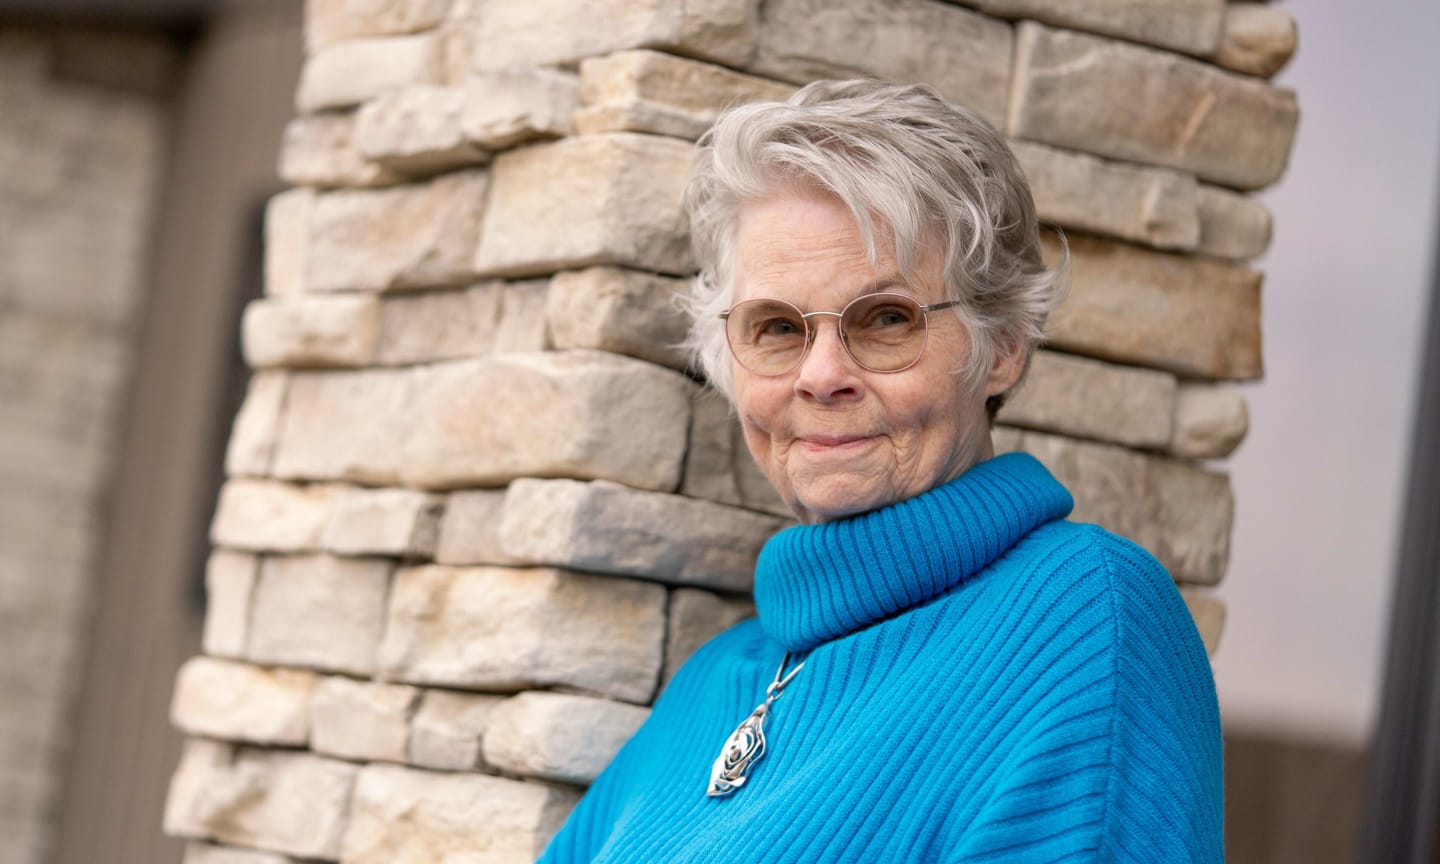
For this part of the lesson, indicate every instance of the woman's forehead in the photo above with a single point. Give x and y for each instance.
(803, 244)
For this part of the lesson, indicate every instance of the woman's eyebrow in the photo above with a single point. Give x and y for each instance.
(884, 283)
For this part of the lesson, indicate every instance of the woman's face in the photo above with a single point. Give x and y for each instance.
(834, 438)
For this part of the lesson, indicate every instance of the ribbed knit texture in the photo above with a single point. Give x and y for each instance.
(983, 682)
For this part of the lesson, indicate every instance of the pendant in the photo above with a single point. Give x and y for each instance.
(742, 750)
(746, 744)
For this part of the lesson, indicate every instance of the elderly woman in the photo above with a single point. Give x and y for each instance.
(943, 668)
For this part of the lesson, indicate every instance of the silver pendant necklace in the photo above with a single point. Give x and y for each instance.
(746, 744)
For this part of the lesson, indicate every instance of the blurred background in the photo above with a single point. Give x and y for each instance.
(138, 144)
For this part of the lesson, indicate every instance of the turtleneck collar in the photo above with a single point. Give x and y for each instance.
(814, 583)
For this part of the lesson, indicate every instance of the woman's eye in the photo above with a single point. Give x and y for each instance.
(779, 327)
(888, 317)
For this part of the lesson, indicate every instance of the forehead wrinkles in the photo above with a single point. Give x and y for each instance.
(774, 252)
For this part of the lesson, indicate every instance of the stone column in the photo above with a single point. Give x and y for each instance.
(477, 512)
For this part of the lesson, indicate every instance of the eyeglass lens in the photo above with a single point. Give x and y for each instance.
(882, 332)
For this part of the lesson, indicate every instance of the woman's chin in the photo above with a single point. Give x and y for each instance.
(831, 498)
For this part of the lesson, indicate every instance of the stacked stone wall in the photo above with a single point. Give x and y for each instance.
(477, 510)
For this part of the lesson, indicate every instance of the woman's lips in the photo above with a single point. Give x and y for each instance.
(834, 443)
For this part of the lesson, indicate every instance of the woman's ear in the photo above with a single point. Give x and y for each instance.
(1007, 365)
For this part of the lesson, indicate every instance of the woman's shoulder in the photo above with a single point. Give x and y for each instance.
(1067, 554)
(1069, 583)
(1125, 599)
(1109, 695)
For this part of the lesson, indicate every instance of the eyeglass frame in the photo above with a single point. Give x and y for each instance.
(810, 332)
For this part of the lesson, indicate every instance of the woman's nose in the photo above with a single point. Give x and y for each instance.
(827, 372)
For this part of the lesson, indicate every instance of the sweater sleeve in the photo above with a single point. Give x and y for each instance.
(1127, 769)
(1164, 800)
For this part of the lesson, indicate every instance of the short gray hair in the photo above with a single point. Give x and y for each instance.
(910, 167)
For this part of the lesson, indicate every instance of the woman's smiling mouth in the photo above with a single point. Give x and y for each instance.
(833, 443)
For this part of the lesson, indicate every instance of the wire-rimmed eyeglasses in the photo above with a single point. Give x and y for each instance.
(882, 332)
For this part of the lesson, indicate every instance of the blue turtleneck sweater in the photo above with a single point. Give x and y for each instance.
(983, 681)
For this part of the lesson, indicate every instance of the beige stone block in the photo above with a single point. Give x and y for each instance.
(351, 72)
(1154, 206)
(439, 325)
(201, 762)
(416, 130)
(1232, 225)
(372, 406)
(1084, 92)
(634, 416)
(491, 317)
(595, 199)
(718, 466)
(361, 719)
(407, 816)
(470, 529)
(1209, 614)
(208, 853)
(696, 617)
(522, 327)
(457, 41)
(507, 107)
(603, 527)
(1259, 39)
(1210, 422)
(965, 56)
(507, 629)
(319, 611)
(724, 31)
(440, 436)
(1093, 399)
(287, 241)
(267, 515)
(320, 150)
(559, 736)
(710, 454)
(237, 701)
(311, 331)
(1189, 26)
(229, 584)
(277, 800)
(620, 311)
(562, 32)
(647, 91)
(1192, 316)
(756, 493)
(399, 522)
(421, 235)
(1181, 513)
(331, 21)
(257, 425)
(1194, 514)
(446, 730)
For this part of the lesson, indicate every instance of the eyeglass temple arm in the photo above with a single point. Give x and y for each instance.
(936, 307)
